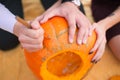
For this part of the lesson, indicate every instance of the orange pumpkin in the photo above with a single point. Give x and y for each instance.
(116, 77)
(60, 60)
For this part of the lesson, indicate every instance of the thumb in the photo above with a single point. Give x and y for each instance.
(49, 15)
(35, 24)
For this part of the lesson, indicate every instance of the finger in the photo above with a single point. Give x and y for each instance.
(83, 26)
(81, 33)
(39, 18)
(33, 33)
(72, 28)
(91, 30)
(92, 27)
(29, 40)
(97, 43)
(35, 24)
(85, 37)
(46, 17)
(100, 52)
(32, 48)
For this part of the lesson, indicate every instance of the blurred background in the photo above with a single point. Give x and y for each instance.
(13, 65)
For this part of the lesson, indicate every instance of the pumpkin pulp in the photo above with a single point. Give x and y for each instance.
(64, 64)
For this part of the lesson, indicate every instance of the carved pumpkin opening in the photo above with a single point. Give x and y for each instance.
(64, 64)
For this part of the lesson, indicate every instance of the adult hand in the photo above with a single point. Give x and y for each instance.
(30, 39)
(74, 17)
(99, 46)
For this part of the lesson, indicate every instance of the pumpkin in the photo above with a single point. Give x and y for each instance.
(59, 59)
(116, 77)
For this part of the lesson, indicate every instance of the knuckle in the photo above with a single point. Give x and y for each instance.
(36, 36)
(33, 23)
(42, 31)
(72, 29)
(20, 38)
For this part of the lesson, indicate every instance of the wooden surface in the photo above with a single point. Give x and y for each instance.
(13, 65)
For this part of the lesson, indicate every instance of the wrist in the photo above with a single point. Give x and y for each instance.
(70, 4)
(77, 3)
(105, 24)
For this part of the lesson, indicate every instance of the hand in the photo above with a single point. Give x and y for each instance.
(99, 46)
(74, 17)
(30, 39)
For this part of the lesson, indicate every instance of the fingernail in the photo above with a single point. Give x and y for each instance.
(93, 61)
(79, 41)
(90, 52)
(70, 40)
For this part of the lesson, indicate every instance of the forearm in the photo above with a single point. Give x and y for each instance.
(112, 19)
(56, 4)
(7, 19)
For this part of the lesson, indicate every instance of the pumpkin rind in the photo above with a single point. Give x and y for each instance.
(56, 43)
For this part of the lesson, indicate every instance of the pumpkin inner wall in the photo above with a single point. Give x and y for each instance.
(64, 64)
